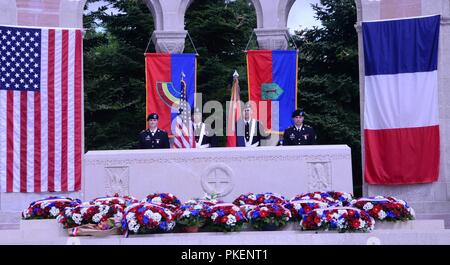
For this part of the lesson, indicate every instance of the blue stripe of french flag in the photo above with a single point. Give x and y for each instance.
(401, 118)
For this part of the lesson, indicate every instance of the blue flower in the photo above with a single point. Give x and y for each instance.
(145, 219)
(333, 224)
(142, 209)
(124, 224)
(195, 212)
(163, 225)
(390, 214)
(255, 214)
(220, 212)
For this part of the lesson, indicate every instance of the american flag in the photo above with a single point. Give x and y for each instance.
(41, 102)
(183, 130)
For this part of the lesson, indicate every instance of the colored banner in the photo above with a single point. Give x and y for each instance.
(272, 85)
(163, 84)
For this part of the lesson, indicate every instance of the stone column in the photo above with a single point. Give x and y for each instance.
(169, 34)
(272, 32)
(431, 201)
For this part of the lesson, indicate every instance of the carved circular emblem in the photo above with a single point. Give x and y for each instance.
(217, 178)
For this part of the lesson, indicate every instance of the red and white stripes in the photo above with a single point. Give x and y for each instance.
(41, 149)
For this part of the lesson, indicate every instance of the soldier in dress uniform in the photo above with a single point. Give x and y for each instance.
(153, 137)
(299, 133)
(204, 138)
(250, 132)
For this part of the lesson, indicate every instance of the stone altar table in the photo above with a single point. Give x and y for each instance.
(189, 173)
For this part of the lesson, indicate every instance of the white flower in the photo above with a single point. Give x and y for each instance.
(97, 217)
(198, 207)
(379, 197)
(186, 213)
(148, 213)
(297, 206)
(335, 216)
(346, 196)
(353, 202)
(252, 197)
(68, 212)
(368, 206)
(170, 226)
(362, 223)
(411, 211)
(156, 200)
(317, 196)
(104, 209)
(402, 202)
(264, 209)
(77, 218)
(319, 212)
(54, 211)
(130, 216)
(156, 217)
(306, 198)
(266, 196)
(231, 220)
(133, 226)
(381, 215)
(83, 210)
(341, 223)
(214, 216)
(26, 214)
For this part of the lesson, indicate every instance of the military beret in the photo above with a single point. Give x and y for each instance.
(152, 116)
(298, 112)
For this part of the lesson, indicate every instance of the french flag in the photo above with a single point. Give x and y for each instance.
(401, 118)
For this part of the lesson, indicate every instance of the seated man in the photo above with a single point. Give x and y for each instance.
(250, 132)
(153, 138)
(299, 134)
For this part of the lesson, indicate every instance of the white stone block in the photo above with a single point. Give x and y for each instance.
(411, 225)
(41, 229)
(228, 171)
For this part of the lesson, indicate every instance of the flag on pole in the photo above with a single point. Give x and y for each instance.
(401, 119)
(41, 98)
(234, 111)
(163, 81)
(182, 129)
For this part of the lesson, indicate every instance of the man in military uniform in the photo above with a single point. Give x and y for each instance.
(204, 138)
(299, 133)
(153, 138)
(250, 132)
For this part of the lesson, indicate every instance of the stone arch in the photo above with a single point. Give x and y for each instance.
(259, 13)
(284, 9)
(157, 13)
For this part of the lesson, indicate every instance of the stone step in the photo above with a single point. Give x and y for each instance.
(9, 218)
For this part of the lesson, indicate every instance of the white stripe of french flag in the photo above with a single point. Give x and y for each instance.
(401, 119)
